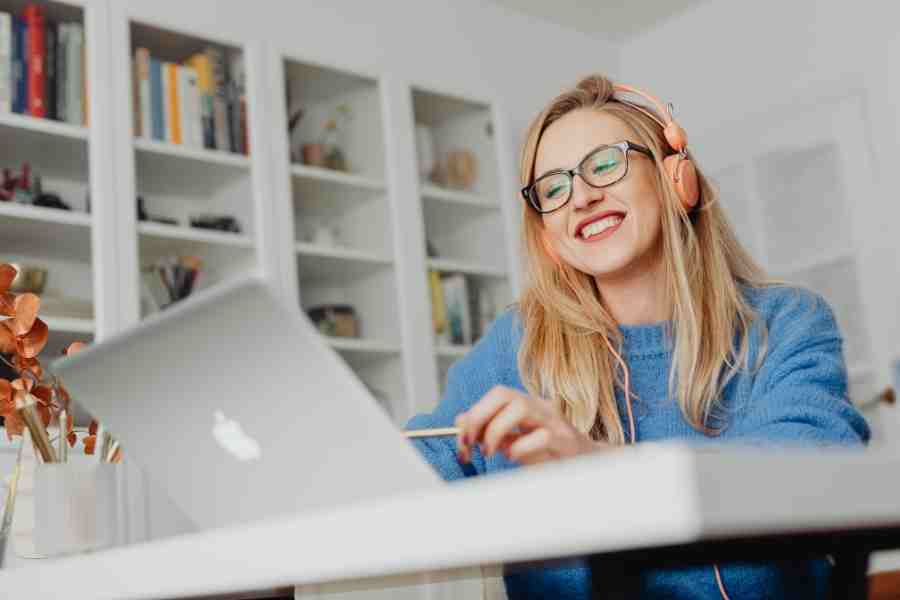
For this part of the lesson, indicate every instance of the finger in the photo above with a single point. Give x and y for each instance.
(532, 447)
(476, 418)
(505, 423)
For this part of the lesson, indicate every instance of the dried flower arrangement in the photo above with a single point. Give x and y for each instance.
(34, 400)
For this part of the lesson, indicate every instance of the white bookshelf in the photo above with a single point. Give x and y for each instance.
(464, 222)
(65, 242)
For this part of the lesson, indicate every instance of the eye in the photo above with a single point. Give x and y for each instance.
(605, 165)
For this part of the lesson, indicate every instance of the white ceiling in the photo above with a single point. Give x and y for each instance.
(616, 21)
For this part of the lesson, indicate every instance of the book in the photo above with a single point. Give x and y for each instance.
(157, 110)
(62, 71)
(165, 68)
(50, 69)
(237, 102)
(200, 63)
(37, 79)
(220, 98)
(74, 74)
(6, 46)
(189, 98)
(143, 113)
(173, 117)
(438, 306)
(19, 69)
(459, 317)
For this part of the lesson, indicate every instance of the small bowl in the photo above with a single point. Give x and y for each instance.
(30, 279)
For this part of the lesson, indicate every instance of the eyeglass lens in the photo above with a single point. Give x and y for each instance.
(600, 168)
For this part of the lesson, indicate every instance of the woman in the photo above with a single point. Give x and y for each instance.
(644, 319)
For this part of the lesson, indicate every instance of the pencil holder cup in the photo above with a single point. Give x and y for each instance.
(56, 509)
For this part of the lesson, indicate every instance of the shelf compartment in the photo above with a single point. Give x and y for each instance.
(383, 375)
(69, 325)
(50, 147)
(452, 350)
(166, 169)
(465, 234)
(318, 91)
(27, 230)
(457, 124)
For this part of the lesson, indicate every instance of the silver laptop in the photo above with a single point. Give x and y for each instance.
(233, 404)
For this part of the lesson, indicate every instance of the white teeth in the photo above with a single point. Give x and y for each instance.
(600, 226)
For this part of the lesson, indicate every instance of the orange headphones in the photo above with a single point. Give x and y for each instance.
(678, 166)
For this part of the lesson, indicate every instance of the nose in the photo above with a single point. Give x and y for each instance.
(584, 195)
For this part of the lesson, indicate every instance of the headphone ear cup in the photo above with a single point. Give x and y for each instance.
(684, 177)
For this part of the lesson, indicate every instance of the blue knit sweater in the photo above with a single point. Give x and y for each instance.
(798, 396)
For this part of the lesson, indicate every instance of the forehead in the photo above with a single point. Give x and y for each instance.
(573, 135)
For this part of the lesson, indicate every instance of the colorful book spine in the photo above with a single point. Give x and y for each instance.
(200, 62)
(62, 70)
(143, 125)
(37, 55)
(74, 75)
(191, 127)
(174, 113)
(6, 46)
(220, 97)
(50, 69)
(19, 69)
(156, 100)
(235, 98)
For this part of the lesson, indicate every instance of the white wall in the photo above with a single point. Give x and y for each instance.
(730, 63)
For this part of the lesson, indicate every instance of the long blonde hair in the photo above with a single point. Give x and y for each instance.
(566, 353)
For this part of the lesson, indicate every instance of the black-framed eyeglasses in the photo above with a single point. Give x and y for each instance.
(602, 166)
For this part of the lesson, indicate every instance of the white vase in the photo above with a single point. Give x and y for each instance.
(425, 150)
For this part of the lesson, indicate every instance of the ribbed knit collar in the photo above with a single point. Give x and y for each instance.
(645, 340)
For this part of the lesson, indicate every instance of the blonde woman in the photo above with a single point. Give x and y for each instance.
(643, 319)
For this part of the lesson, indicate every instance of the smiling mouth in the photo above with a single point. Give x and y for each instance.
(601, 228)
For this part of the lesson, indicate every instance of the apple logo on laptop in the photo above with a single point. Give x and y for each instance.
(232, 438)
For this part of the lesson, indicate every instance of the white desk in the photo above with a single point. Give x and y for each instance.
(663, 496)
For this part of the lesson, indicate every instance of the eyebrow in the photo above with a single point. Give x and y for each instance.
(586, 154)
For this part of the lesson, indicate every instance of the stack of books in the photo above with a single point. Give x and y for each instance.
(200, 103)
(461, 309)
(42, 66)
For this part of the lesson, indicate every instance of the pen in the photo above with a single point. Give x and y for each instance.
(439, 432)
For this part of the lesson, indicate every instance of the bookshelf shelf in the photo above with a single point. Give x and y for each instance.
(455, 197)
(340, 253)
(363, 345)
(202, 155)
(448, 266)
(338, 177)
(42, 128)
(32, 230)
(452, 350)
(40, 214)
(193, 234)
(69, 325)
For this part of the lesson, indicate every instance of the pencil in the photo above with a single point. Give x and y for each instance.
(420, 433)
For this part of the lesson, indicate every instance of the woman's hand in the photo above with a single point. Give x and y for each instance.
(525, 429)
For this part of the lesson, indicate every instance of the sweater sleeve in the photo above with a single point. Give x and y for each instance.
(799, 395)
(467, 381)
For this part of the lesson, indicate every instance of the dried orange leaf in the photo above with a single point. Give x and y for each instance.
(6, 397)
(7, 304)
(92, 427)
(43, 393)
(35, 340)
(7, 338)
(70, 422)
(44, 413)
(74, 347)
(14, 424)
(32, 365)
(26, 307)
(90, 442)
(7, 274)
(71, 438)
